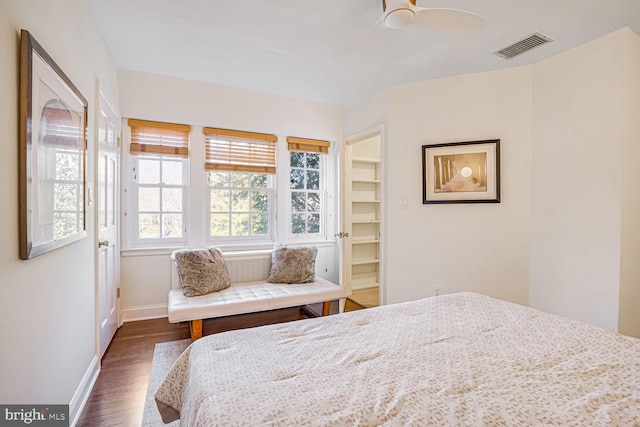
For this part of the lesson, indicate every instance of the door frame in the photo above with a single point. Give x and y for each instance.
(378, 130)
(103, 95)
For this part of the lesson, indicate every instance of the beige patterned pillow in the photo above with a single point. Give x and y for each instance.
(201, 271)
(293, 265)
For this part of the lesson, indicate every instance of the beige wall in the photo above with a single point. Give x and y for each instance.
(369, 113)
(47, 306)
(458, 247)
(153, 97)
(629, 314)
(585, 232)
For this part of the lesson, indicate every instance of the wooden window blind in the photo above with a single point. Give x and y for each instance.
(238, 151)
(159, 138)
(308, 145)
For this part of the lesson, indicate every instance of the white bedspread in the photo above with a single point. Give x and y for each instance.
(461, 359)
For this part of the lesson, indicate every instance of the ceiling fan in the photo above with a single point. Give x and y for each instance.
(397, 14)
(400, 13)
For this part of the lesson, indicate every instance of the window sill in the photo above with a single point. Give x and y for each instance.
(228, 250)
(132, 252)
(306, 242)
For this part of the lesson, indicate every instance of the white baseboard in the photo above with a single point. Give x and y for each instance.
(83, 391)
(144, 312)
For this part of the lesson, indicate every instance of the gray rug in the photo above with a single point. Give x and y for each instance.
(163, 357)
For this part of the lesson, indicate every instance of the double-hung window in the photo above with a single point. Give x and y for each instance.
(241, 167)
(308, 204)
(160, 153)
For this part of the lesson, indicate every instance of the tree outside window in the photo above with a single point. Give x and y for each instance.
(239, 204)
(306, 200)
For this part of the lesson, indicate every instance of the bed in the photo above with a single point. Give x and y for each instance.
(459, 359)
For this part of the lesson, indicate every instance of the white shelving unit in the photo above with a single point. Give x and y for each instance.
(365, 215)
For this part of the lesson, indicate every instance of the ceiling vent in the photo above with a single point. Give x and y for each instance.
(524, 45)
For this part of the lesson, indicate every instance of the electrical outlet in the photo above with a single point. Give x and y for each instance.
(436, 291)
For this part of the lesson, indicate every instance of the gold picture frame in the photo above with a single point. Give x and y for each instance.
(53, 145)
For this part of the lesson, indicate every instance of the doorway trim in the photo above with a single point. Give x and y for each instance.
(378, 130)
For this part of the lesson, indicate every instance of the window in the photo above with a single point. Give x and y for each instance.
(306, 186)
(240, 169)
(160, 154)
(221, 187)
(239, 205)
(160, 197)
(305, 193)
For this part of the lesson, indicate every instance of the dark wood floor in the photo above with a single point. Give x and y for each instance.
(118, 397)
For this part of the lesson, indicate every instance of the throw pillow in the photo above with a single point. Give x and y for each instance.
(293, 265)
(201, 271)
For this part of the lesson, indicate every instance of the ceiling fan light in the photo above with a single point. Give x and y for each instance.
(399, 18)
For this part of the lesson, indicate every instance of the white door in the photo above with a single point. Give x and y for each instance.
(361, 214)
(345, 219)
(107, 212)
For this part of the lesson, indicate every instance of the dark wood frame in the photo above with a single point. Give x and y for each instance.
(466, 197)
(28, 47)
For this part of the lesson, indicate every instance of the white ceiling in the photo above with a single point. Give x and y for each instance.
(297, 47)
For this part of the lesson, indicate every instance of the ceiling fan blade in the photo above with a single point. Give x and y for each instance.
(450, 19)
(361, 38)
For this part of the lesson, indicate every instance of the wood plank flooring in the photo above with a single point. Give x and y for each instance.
(367, 297)
(117, 399)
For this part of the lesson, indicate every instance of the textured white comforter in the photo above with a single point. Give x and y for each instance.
(461, 359)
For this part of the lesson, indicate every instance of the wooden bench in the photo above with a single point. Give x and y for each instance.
(249, 293)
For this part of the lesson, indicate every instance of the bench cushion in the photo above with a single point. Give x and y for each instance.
(250, 297)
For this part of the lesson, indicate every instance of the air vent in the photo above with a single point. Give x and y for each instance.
(524, 45)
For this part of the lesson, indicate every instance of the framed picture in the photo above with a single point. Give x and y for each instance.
(461, 172)
(52, 138)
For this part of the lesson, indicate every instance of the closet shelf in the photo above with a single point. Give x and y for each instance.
(365, 280)
(366, 181)
(366, 160)
(364, 241)
(365, 261)
(365, 285)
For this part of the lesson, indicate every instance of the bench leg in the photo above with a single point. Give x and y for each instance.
(341, 304)
(326, 307)
(196, 329)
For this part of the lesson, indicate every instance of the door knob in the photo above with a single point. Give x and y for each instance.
(342, 234)
(102, 243)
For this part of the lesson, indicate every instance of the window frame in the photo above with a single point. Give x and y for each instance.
(324, 201)
(249, 239)
(135, 241)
